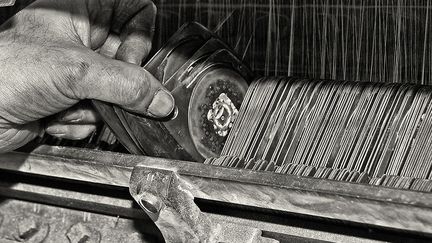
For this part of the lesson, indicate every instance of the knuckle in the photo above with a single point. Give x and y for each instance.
(135, 92)
(73, 75)
(147, 46)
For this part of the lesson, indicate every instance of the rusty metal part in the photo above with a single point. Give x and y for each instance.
(32, 229)
(168, 200)
(353, 204)
(69, 200)
(83, 233)
(26, 221)
(344, 201)
(152, 190)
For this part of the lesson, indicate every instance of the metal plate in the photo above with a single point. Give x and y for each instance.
(220, 90)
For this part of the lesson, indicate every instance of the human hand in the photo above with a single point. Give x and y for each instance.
(55, 53)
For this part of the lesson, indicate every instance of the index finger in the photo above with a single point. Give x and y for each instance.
(137, 33)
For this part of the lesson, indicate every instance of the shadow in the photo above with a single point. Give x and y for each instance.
(305, 222)
(52, 191)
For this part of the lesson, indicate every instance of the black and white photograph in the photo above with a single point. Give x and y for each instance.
(215, 121)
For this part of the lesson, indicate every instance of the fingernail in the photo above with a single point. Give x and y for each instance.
(162, 104)
(72, 117)
(56, 130)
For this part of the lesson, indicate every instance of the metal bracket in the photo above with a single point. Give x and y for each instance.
(168, 199)
(168, 202)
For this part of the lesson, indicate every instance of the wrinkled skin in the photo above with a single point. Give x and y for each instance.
(55, 53)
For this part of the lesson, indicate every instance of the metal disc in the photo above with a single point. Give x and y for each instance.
(213, 108)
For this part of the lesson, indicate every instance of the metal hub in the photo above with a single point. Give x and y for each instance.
(222, 114)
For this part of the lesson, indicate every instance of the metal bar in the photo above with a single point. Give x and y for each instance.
(365, 211)
(385, 207)
(56, 162)
(110, 201)
(117, 169)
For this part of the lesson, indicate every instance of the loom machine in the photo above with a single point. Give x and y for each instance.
(248, 156)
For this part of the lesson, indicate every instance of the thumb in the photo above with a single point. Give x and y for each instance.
(127, 85)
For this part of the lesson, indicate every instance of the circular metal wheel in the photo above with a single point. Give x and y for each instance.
(213, 108)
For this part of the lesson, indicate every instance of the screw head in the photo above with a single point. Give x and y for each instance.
(27, 228)
(151, 205)
(80, 233)
(31, 229)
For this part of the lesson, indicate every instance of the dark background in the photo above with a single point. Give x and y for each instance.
(380, 41)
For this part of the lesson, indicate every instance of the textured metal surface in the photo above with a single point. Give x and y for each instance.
(60, 192)
(71, 210)
(405, 211)
(75, 169)
(32, 222)
(169, 202)
(115, 169)
(173, 211)
(361, 203)
(318, 198)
